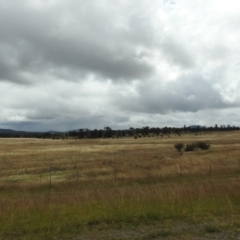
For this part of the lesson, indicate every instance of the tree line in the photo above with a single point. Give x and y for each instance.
(108, 132)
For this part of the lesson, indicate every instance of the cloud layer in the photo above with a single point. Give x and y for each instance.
(74, 64)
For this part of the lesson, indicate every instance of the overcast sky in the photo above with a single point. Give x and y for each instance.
(70, 64)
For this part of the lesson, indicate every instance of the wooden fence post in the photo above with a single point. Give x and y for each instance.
(50, 176)
(77, 176)
(210, 168)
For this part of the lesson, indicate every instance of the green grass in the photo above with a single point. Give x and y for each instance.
(50, 213)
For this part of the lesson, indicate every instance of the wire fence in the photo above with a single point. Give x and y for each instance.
(134, 173)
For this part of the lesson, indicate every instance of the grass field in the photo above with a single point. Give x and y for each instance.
(54, 189)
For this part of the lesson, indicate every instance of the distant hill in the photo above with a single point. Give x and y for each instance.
(14, 133)
(6, 130)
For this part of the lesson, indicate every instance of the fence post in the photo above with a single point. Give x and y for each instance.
(210, 168)
(50, 176)
(77, 176)
(180, 169)
(115, 174)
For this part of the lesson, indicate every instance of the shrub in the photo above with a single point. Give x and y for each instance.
(190, 147)
(194, 146)
(179, 146)
(203, 145)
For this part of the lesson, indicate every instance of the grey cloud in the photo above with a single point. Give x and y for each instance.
(81, 41)
(123, 63)
(187, 94)
(103, 62)
(177, 52)
(9, 66)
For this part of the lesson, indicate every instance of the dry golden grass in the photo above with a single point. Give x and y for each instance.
(23, 160)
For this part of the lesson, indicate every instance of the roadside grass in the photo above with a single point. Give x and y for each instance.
(51, 213)
(111, 182)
